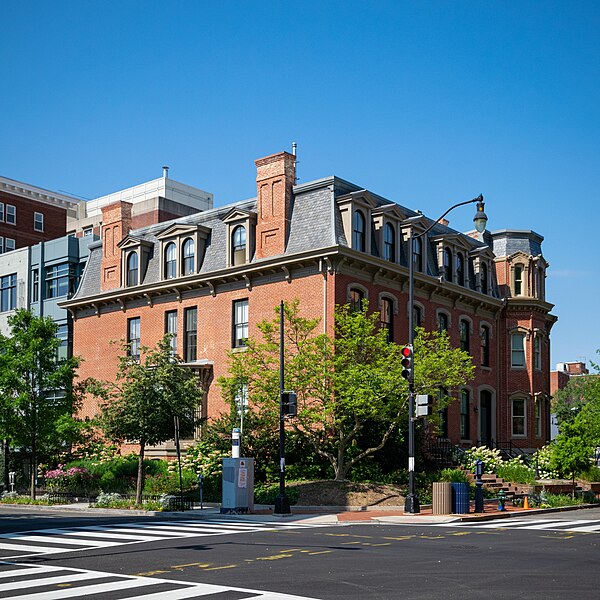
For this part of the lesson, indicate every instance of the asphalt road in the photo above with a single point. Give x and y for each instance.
(492, 560)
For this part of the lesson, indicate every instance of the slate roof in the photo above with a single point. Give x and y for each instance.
(509, 241)
(315, 223)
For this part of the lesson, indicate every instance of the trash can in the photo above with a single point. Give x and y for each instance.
(442, 498)
(460, 498)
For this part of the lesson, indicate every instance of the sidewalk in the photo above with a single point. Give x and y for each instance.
(325, 515)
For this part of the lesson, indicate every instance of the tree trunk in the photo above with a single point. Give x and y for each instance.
(6, 450)
(140, 474)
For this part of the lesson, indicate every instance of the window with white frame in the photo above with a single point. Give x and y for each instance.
(171, 329)
(417, 254)
(171, 261)
(238, 245)
(38, 221)
(188, 256)
(1, 245)
(88, 231)
(9, 244)
(517, 344)
(240, 323)
(35, 285)
(8, 292)
(519, 417)
(11, 214)
(518, 275)
(133, 338)
(1, 211)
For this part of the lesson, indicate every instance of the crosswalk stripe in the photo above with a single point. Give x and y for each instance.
(93, 534)
(18, 585)
(100, 588)
(64, 540)
(31, 571)
(25, 548)
(559, 524)
(191, 592)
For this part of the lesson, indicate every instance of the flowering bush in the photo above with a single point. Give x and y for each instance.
(73, 479)
(202, 459)
(490, 456)
(542, 458)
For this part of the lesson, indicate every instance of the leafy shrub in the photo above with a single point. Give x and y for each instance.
(454, 476)
(592, 474)
(547, 500)
(165, 483)
(543, 460)
(113, 500)
(516, 471)
(265, 493)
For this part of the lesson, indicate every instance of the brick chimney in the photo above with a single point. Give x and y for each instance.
(275, 177)
(116, 224)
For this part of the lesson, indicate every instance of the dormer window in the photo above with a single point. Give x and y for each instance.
(417, 254)
(484, 279)
(238, 245)
(460, 269)
(389, 243)
(358, 231)
(132, 269)
(170, 261)
(188, 256)
(518, 287)
(448, 264)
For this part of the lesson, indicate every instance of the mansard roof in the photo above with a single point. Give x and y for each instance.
(315, 224)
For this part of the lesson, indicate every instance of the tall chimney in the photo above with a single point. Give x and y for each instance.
(275, 177)
(116, 224)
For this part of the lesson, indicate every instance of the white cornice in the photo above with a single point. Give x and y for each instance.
(26, 190)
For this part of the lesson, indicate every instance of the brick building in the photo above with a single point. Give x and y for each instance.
(210, 277)
(29, 214)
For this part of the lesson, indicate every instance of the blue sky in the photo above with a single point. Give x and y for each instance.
(426, 103)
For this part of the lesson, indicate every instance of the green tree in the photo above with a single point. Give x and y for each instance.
(37, 395)
(342, 382)
(573, 449)
(141, 404)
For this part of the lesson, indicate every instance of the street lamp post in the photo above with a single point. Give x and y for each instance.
(411, 504)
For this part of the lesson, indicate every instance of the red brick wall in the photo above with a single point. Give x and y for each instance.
(116, 224)
(55, 221)
(92, 334)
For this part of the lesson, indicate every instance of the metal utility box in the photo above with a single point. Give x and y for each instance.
(238, 485)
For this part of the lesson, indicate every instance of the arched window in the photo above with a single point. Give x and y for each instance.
(518, 280)
(484, 279)
(387, 318)
(485, 346)
(132, 269)
(417, 254)
(358, 232)
(389, 243)
(460, 269)
(448, 264)
(238, 245)
(442, 322)
(417, 316)
(188, 256)
(170, 261)
(356, 299)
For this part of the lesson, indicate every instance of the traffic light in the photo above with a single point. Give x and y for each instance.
(424, 405)
(407, 361)
(289, 404)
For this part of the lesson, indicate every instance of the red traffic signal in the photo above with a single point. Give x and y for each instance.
(407, 361)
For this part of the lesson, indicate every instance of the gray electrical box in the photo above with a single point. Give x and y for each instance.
(238, 485)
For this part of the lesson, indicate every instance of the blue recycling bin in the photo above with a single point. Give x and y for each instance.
(460, 498)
